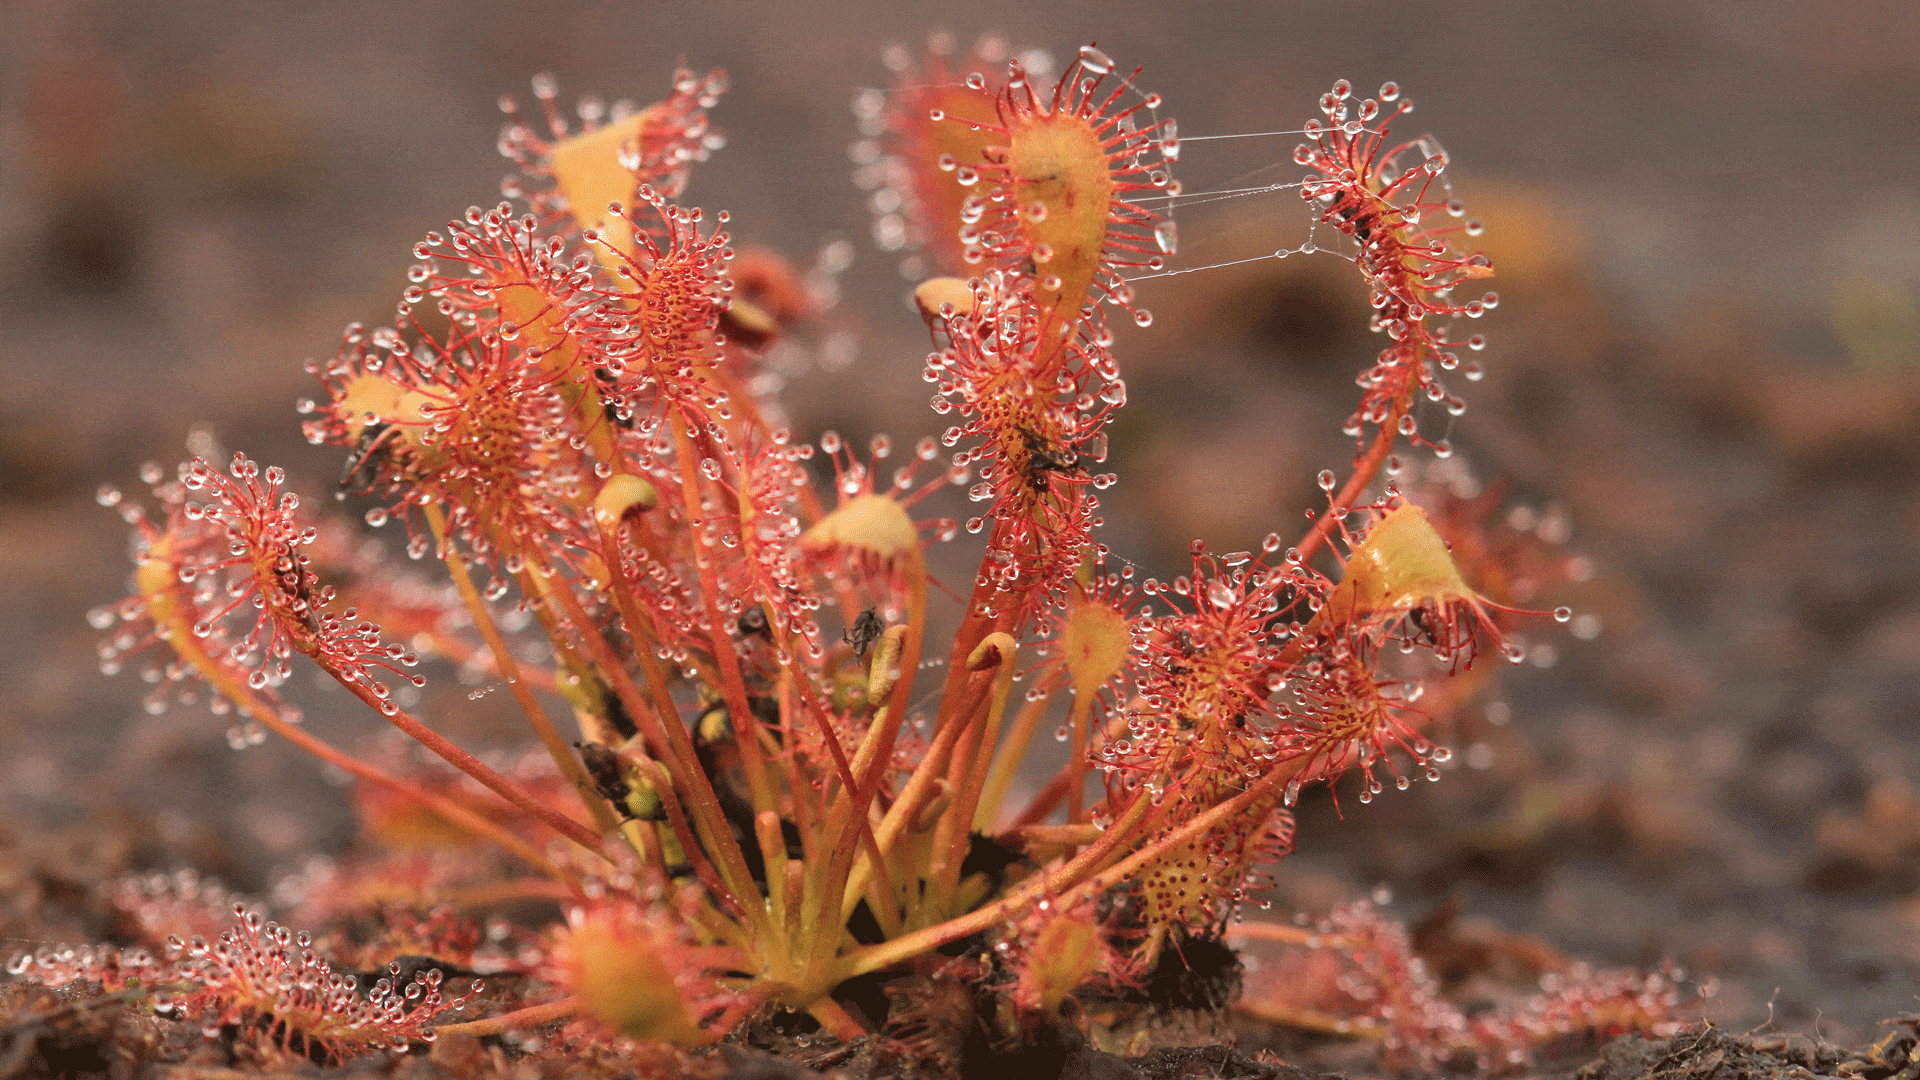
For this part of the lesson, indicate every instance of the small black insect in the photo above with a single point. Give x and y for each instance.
(753, 622)
(866, 630)
(1363, 228)
(765, 709)
(612, 407)
(603, 768)
(364, 460)
(615, 712)
(1043, 457)
(1200, 971)
(1423, 630)
(614, 416)
(298, 584)
(1182, 643)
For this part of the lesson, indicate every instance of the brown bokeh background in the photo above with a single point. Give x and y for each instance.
(1705, 217)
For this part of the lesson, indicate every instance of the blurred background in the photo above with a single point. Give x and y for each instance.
(1705, 371)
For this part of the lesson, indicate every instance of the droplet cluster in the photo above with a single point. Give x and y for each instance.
(1394, 200)
(266, 979)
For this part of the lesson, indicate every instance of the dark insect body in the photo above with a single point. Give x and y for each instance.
(866, 630)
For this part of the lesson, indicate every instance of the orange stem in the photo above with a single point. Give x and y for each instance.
(532, 1016)
(473, 766)
(1365, 468)
(556, 746)
(746, 730)
(672, 746)
(1081, 875)
(237, 691)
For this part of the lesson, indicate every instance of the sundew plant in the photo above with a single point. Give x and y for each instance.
(763, 790)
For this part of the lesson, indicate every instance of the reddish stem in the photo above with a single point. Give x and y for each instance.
(1365, 468)
(532, 1016)
(474, 767)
